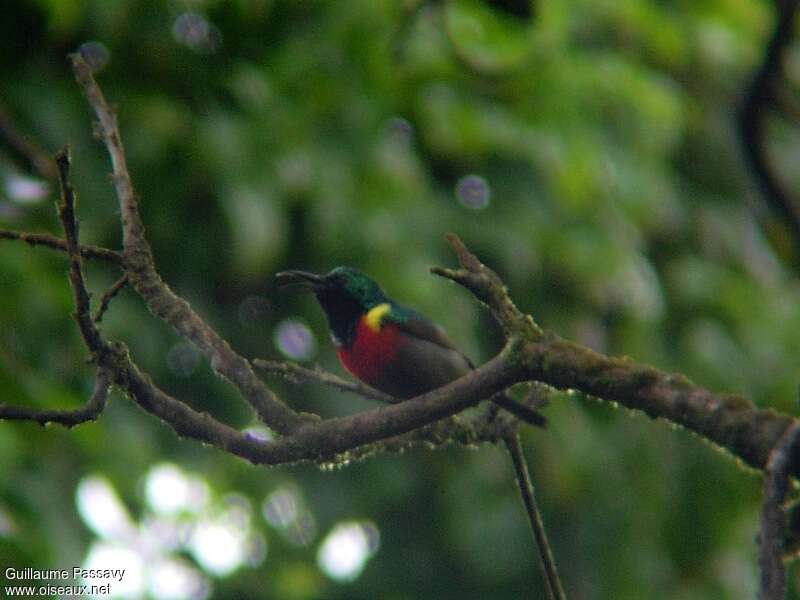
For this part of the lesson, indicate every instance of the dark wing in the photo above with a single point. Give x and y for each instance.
(433, 361)
(419, 326)
(426, 359)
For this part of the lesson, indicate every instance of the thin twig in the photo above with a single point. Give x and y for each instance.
(298, 374)
(108, 296)
(68, 418)
(91, 336)
(487, 286)
(555, 590)
(55, 243)
(66, 212)
(773, 519)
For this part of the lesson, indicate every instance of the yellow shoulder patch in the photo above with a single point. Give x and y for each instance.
(375, 315)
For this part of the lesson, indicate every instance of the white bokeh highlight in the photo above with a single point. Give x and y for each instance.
(345, 550)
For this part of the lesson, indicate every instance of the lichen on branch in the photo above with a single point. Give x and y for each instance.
(530, 354)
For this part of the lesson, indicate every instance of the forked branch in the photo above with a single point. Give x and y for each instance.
(531, 354)
(54, 243)
(773, 518)
(68, 418)
(160, 299)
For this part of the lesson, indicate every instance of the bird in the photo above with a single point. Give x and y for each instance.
(388, 346)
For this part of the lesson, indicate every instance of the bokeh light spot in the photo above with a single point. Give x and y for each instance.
(399, 131)
(285, 511)
(281, 507)
(196, 32)
(302, 531)
(346, 549)
(168, 489)
(105, 555)
(218, 547)
(255, 549)
(101, 509)
(173, 579)
(96, 55)
(259, 433)
(473, 191)
(295, 340)
(25, 190)
(167, 533)
(237, 510)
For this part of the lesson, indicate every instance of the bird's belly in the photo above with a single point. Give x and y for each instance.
(371, 353)
(400, 365)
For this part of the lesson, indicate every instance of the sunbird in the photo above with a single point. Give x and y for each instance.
(388, 346)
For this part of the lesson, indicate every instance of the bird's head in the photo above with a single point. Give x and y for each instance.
(344, 293)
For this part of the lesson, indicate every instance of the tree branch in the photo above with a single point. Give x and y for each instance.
(531, 354)
(298, 374)
(108, 296)
(764, 439)
(555, 590)
(160, 299)
(488, 427)
(318, 442)
(328, 438)
(312, 441)
(54, 243)
(341, 434)
(773, 519)
(66, 212)
(727, 420)
(68, 418)
(91, 336)
(487, 287)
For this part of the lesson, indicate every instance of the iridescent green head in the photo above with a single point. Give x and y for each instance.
(345, 293)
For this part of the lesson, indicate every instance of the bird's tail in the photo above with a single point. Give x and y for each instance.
(519, 410)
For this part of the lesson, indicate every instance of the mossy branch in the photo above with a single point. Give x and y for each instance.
(531, 354)
(758, 437)
(160, 299)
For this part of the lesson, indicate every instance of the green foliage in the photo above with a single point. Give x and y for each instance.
(311, 134)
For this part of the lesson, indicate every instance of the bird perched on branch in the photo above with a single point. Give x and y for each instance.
(388, 346)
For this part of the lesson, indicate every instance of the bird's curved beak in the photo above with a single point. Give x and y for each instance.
(302, 279)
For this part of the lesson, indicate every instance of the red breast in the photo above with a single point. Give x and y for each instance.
(371, 351)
